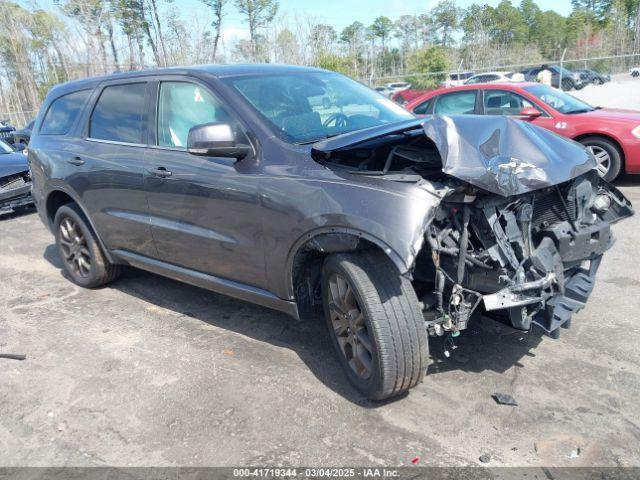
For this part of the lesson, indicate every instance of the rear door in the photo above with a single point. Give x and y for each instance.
(462, 102)
(205, 211)
(109, 160)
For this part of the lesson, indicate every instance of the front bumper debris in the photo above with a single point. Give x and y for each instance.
(530, 258)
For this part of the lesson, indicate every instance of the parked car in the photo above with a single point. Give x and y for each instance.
(570, 80)
(15, 181)
(383, 90)
(397, 86)
(612, 135)
(455, 79)
(402, 97)
(635, 72)
(6, 132)
(591, 76)
(489, 77)
(225, 177)
(23, 135)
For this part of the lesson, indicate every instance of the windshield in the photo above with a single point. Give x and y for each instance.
(559, 100)
(307, 107)
(4, 147)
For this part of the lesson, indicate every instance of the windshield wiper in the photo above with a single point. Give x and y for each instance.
(308, 142)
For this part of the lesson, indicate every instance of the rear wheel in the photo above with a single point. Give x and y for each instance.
(607, 154)
(375, 323)
(81, 254)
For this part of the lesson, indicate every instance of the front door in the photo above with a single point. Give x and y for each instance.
(205, 212)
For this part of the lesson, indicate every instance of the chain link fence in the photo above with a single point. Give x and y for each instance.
(605, 65)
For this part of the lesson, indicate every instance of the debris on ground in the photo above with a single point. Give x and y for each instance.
(574, 453)
(485, 458)
(13, 356)
(504, 399)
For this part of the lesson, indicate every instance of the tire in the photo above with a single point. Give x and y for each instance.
(567, 84)
(391, 324)
(81, 255)
(601, 144)
(635, 74)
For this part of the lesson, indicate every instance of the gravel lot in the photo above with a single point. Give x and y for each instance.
(623, 91)
(149, 371)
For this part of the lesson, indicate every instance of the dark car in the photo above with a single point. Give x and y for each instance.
(23, 135)
(6, 132)
(15, 181)
(591, 76)
(560, 76)
(228, 178)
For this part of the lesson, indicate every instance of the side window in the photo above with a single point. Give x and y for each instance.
(62, 112)
(182, 105)
(423, 108)
(119, 114)
(501, 102)
(456, 103)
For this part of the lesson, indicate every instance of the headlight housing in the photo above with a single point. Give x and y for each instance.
(636, 132)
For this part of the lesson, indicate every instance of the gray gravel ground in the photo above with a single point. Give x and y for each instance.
(149, 371)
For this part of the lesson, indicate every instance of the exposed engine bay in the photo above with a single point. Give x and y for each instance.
(521, 225)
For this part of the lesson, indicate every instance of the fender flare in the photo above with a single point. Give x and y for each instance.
(394, 256)
(67, 191)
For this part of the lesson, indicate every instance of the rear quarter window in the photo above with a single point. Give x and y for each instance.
(62, 113)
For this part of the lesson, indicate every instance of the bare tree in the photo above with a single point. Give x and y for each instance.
(258, 13)
(218, 14)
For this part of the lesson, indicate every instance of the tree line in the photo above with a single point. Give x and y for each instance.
(40, 48)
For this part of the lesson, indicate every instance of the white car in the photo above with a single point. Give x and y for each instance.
(490, 77)
(635, 72)
(397, 86)
(455, 79)
(386, 91)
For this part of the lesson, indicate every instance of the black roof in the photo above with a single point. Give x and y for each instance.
(218, 70)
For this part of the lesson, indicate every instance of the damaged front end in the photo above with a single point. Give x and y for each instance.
(521, 226)
(15, 191)
(532, 257)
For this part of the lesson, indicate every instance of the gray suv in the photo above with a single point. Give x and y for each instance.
(233, 179)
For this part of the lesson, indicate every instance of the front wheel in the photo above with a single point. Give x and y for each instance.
(607, 155)
(567, 84)
(375, 323)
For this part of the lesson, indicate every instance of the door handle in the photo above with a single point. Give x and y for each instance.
(77, 161)
(160, 172)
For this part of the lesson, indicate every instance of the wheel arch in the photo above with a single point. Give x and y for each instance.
(307, 255)
(58, 197)
(610, 138)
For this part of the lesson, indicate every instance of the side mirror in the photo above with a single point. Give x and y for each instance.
(215, 140)
(530, 113)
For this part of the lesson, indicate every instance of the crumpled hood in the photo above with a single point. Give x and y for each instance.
(494, 153)
(12, 163)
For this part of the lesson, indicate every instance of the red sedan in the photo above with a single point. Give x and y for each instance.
(613, 136)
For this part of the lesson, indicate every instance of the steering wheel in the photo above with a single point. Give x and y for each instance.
(338, 120)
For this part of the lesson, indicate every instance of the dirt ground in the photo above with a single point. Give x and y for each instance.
(149, 371)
